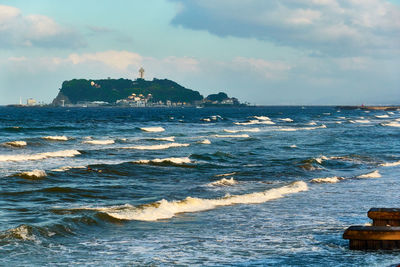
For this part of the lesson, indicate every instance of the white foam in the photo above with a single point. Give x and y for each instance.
(22, 232)
(286, 119)
(382, 116)
(390, 164)
(156, 147)
(66, 168)
(320, 159)
(293, 146)
(204, 142)
(312, 123)
(391, 124)
(164, 209)
(99, 142)
(331, 180)
(34, 174)
(56, 138)
(251, 130)
(262, 118)
(169, 139)
(374, 174)
(184, 160)
(252, 122)
(16, 143)
(291, 129)
(206, 119)
(153, 129)
(39, 156)
(359, 121)
(224, 182)
(232, 136)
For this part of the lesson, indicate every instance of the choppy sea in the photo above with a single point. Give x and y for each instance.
(255, 186)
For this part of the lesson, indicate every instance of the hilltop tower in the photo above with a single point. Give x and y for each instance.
(141, 73)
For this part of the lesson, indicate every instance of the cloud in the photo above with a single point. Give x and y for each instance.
(325, 27)
(115, 59)
(17, 30)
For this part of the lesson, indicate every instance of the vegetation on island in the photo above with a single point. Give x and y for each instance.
(114, 91)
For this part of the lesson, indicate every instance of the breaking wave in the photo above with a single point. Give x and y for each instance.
(67, 168)
(32, 174)
(262, 118)
(169, 139)
(286, 120)
(251, 130)
(174, 161)
(156, 147)
(224, 182)
(16, 143)
(39, 156)
(390, 164)
(391, 124)
(382, 116)
(99, 142)
(232, 136)
(374, 174)
(153, 129)
(253, 122)
(56, 138)
(164, 209)
(204, 142)
(331, 180)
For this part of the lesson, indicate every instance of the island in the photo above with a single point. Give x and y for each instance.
(135, 93)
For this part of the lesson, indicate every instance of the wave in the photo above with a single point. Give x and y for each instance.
(99, 142)
(169, 139)
(156, 147)
(67, 168)
(251, 130)
(382, 116)
(312, 123)
(32, 174)
(262, 118)
(153, 129)
(323, 126)
(391, 124)
(204, 142)
(224, 182)
(331, 180)
(374, 174)
(359, 121)
(164, 209)
(16, 143)
(56, 138)
(22, 232)
(390, 164)
(252, 122)
(174, 161)
(39, 156)
(293, 146)
(232, 136)
(225, 174)
(286, 120)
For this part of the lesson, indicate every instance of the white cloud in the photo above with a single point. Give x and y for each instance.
(329, 27)
(115, 59)
(17, 30)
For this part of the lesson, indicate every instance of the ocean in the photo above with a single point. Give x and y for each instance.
(250, 186)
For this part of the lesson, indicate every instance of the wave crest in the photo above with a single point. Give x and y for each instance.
(39, 156)
(374, 174)
(99, 142)
(224, 182)
(157, 147)
(56, 138)
(164, 209)
(153, 129)
(16, 143)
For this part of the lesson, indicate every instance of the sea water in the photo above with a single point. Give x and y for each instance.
(255, 186)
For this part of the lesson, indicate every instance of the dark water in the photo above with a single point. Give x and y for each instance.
(210, 187)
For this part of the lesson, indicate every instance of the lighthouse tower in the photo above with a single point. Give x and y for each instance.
(141, 73)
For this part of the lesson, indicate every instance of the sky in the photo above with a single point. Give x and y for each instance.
(288, 52)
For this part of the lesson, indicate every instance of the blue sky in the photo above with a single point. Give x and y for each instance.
(263, 52)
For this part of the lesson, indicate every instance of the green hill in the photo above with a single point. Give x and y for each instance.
(111, 90)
